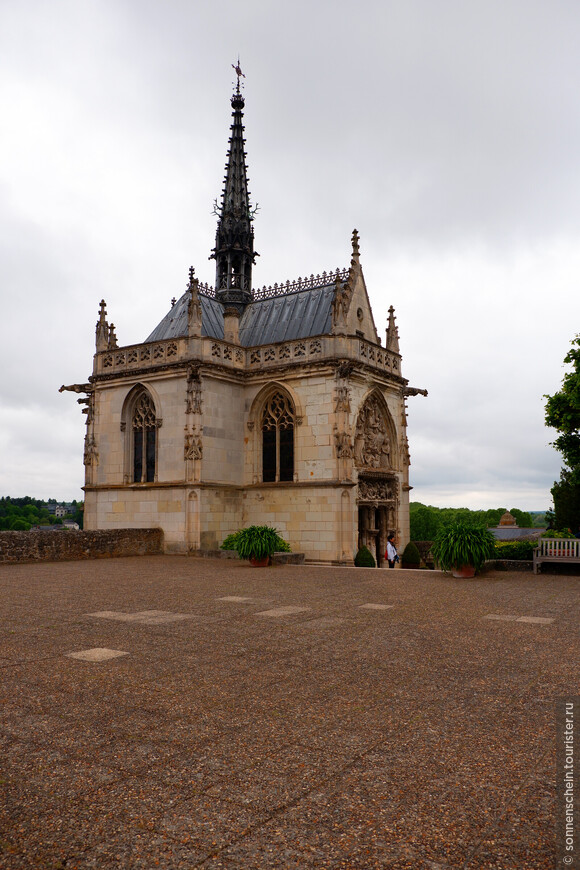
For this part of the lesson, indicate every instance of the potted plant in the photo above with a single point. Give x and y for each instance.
(257, 543)
(411, 557)
(463, 549)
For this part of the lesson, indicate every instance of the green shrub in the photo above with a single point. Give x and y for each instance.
(460, 544)
(552, 533)
(364, 558)
(411, 555)
(519, 550)
(424, 548)
(230, 542)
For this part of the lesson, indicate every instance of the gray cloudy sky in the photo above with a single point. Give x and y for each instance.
(448, 133)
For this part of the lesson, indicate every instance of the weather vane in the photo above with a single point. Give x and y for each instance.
(239, 72)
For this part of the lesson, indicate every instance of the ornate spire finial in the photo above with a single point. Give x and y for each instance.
(112, 337)
(234, 248)
(239, 73)
(355, 240)
(191, 275)
(102, 330)
(392, 342)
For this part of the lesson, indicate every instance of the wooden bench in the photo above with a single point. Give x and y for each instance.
(561, 550)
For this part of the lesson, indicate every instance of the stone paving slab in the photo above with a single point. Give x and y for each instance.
(380, 719)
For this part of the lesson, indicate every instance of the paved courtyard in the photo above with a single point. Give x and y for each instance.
(180, 713)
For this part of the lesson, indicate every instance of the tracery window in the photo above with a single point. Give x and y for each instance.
(144, 428)
(278, 419)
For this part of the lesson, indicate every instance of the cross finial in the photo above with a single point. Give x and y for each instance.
(355, 248)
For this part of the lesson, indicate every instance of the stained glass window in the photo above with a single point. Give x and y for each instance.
(144, 427)
(278, 439)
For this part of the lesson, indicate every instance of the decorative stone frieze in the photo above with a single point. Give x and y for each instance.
(376, 490)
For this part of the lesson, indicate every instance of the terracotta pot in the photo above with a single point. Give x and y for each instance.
(464, 572)
(259, 563)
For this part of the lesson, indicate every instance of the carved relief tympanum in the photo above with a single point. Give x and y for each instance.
(372, 443)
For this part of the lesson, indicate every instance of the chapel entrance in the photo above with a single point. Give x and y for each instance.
(377, 512)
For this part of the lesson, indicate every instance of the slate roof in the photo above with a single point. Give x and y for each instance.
(265, 321)
(514, 533)
(174, 324)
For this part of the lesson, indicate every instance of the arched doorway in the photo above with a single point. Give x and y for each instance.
(376, 458)
(377, 512)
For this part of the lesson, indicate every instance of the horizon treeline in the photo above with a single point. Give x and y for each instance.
(426, 520)
(20, 514)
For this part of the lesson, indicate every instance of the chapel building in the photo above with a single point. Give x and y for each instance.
(245, 406)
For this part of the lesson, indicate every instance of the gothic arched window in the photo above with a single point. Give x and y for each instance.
(278, 419)
(144, 432)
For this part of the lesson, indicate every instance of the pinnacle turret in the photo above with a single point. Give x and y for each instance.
(234, 245)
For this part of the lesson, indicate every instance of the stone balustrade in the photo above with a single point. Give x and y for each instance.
(160, 353)
(139, 356)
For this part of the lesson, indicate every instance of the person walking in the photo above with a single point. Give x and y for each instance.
(391, 554)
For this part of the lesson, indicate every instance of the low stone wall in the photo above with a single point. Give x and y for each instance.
(65, 546)
(277, 558)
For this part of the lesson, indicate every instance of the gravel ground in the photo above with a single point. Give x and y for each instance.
(267, 718)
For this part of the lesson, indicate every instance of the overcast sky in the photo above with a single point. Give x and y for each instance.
(447, 133)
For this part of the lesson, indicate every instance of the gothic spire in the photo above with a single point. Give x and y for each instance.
(234, 243)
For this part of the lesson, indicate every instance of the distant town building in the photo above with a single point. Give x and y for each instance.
(508, 529)
(60, 510)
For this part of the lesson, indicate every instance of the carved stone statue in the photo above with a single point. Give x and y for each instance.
(91, 455)
(340, 303)
(193, 307)
(343, 444)
(193, 398)
(342, 399)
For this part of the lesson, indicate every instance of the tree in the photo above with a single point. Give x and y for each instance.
(563, 414)
(566, 495)
(425, 522)
(493, 516)
(522, 518)
(19, 525)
